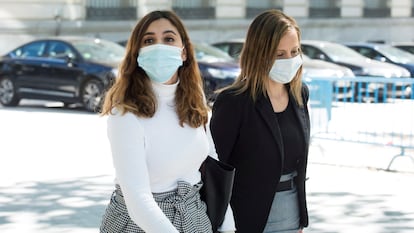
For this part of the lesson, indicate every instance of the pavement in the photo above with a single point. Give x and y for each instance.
(351, 189)
(56, 177)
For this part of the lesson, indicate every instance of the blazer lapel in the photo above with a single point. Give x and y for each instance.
(304, 122)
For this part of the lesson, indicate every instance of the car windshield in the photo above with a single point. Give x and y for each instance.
(340, 53)
(99, 50)
(396, 55)
(207, 53)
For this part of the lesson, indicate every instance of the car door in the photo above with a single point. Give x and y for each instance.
(65, 76)
(28, 68)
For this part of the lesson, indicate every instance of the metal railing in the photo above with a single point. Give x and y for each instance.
(371, 110)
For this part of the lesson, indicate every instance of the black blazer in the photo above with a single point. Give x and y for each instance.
(247, 136)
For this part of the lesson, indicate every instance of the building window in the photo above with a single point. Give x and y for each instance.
(111, 9)
(376, 8)
(412, 8)
(324, 9)
(194, 9)
(255, 7)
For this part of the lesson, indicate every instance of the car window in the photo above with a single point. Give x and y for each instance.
(35, 49)
(311, 52)
(396, 55)
(341, 53)
(231, 48)
(367, 52)
(224, 47)
(407, 48)
(100, 50)
(208, 53)
(236, 49)
(59, 49)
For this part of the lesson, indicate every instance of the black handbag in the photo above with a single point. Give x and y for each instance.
(217, 188)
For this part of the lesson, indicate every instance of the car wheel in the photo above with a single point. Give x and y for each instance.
(92, 95)
(8, 95)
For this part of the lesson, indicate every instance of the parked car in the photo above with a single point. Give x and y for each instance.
(342, 55)
(217, 68)
(406, 46)
(232, 47)
(312, 68)
(359, 64)
(385, 53)
(66, 69)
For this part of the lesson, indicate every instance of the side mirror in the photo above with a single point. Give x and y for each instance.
(69, 59)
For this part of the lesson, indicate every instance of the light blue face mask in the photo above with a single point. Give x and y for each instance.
(284, 70)
(160, 61)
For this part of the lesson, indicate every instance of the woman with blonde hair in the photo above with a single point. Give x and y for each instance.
(157, 116)
(260, 125)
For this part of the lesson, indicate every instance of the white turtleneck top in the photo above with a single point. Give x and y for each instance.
(151, 155)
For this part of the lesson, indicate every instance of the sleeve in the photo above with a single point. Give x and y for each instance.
(228, 223)
(225, 124)
(126, 137)
(212, 149)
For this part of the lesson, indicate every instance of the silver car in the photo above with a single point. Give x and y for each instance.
(361, 66)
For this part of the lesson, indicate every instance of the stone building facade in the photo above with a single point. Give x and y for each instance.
(206, 20)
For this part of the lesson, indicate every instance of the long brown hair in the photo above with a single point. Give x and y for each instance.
(259, 54)
(132, 91)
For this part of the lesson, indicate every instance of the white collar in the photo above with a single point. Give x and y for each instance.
(165, 90)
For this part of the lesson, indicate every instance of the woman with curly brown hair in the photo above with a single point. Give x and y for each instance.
(157, 116)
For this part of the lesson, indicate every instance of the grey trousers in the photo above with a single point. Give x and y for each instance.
(182, 206)
(284, 214)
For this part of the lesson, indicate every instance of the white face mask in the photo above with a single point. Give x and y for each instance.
(160, 61)
(284, 70)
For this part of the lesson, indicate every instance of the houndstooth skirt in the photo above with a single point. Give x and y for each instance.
(182, 206)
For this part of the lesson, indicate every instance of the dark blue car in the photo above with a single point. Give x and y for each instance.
(72, 70)
(217, 68)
